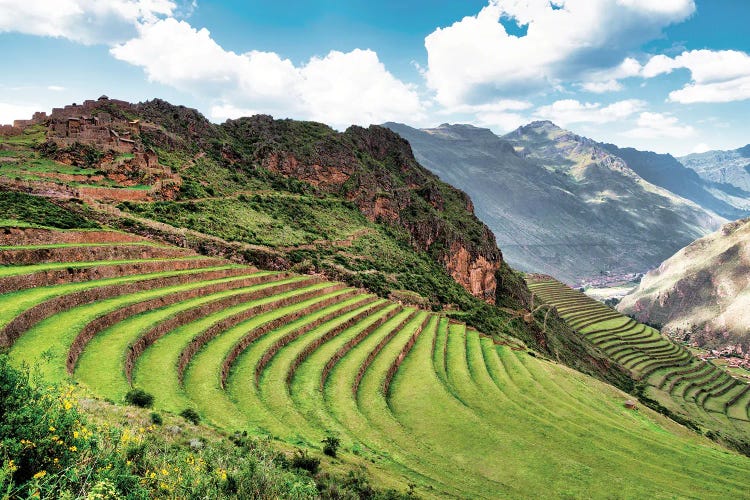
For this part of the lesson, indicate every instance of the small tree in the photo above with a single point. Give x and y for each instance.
(331, 445)
(304, 461)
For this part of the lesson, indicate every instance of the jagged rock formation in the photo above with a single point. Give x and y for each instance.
(559, 203)
(702, 293)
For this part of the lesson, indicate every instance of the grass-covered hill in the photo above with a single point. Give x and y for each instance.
(381, 399)
(316, 290)
(283, 194)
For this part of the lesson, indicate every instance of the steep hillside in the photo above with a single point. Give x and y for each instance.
(374, 390)
(726, 167)
(665, 171)
(285, 195)
(702, 293)
(559, 203)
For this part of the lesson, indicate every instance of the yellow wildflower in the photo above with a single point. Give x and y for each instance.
(52, 429)
(40, 474)
(75, 434)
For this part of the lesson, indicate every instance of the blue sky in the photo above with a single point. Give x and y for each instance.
(669, 76)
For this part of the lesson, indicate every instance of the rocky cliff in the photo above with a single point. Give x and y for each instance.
(375, 169)
(702, 293)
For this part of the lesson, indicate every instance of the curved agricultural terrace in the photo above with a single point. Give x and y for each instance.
(673, 376)
(415, 397)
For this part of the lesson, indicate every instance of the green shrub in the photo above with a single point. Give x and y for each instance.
(140, 398)
(191, 416)
(304, 461)
(47, 448)
(331, 445)
(156, 419)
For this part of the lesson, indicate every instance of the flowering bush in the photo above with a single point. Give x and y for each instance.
(46, 447)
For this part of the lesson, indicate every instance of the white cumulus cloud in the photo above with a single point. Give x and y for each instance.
(338, 89)
(659, 125)
(716, 75)
(83, 21)
(475, 59)
(567, 111)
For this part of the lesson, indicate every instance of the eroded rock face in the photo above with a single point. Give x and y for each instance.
(315, 174)
(475, 273)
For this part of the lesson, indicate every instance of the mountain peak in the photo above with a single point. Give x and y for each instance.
(545, 125)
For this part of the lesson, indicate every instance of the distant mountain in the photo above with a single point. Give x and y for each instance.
(702, 293)
(665, 171)
(559, 203)
(725, 167)
(727, 174)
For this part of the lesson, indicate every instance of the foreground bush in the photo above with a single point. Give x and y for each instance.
(48, 450)
(140, 398)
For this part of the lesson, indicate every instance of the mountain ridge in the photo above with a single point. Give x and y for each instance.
(544, 192)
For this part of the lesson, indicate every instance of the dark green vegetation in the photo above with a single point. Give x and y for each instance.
(18, 208)
(670, 379)
(369, 390)
(560, 203)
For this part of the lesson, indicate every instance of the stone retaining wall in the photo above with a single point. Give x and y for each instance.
(258, 332)
(343, 350)
(401, 356)
(297, 333)
(29, 256)
(314, 345)
(113, 317)
(30, 317)
(371, 357)
(98, 272)
(13, 236)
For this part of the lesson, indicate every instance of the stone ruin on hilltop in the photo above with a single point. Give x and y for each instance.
(102, 124)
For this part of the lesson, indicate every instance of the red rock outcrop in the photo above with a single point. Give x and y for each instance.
(475, 273)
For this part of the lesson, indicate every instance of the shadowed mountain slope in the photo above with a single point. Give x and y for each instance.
(665, 171)
(559, 203)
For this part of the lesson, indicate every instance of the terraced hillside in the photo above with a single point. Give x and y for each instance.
(416, 398)
(668, 373)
